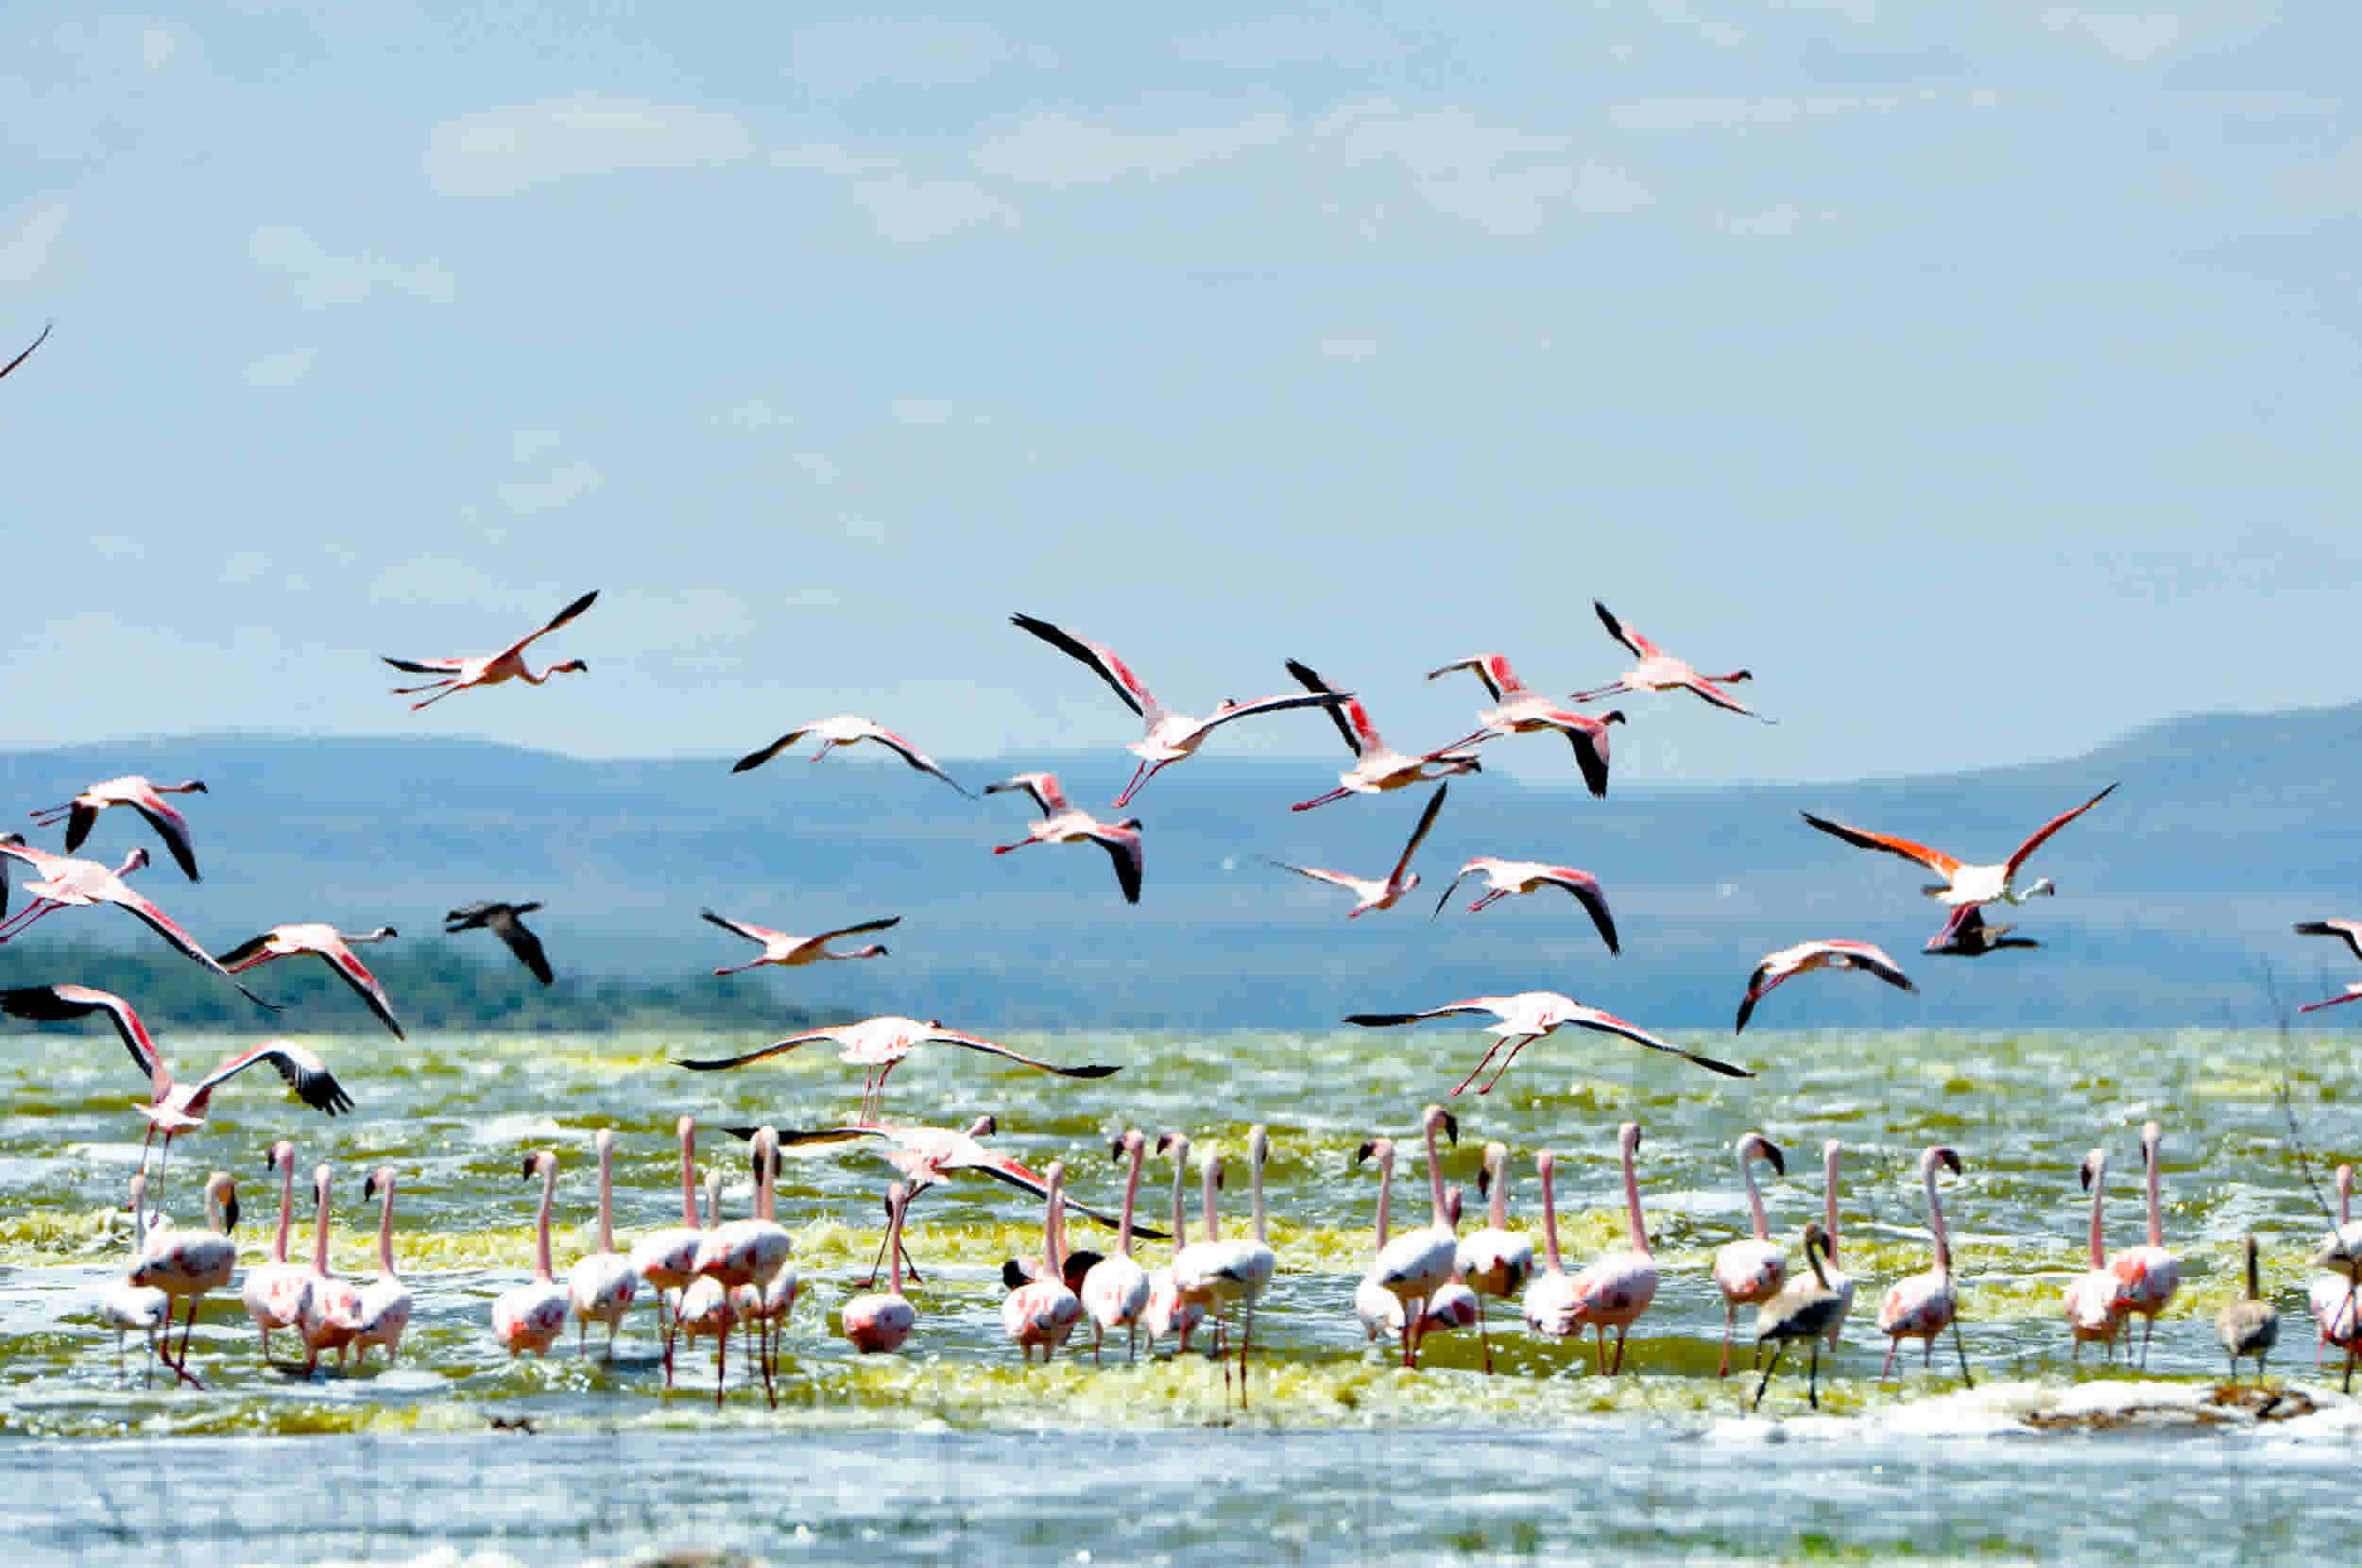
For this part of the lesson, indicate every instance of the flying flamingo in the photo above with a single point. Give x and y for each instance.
(1115, 1293)
(1965, 886)
(1515, 877)
(1412, 1267)
(1923, 1306)
(1528, 1016)
(788, 952)
(384, 1309)
(1519, 711)
(28, 348)
(845, 729)
(602, 1285)
(175, 1107)
(1064, 824)
(332, 1306)
(1550, 1300)
(530, 1317)
(879, 1322)
(1832, 953)
(1804, 1312)
(457, 675)
(667, 1258)
(273, 1290)
(330, 944)
(143, 795)
(66, 882)
(2146, 1276)
(1378, 766)
(2332, 1295)
(1966, 935)
(1494, 1261)
(1168, 1313)
(879, 1043)
(2248, 1327)
(503, 921)
(750, 1252)
(1171, 736)
(1617, 1288)
(1369, 895)
(1753, 1268)
(188, 1265)
(2094, 1305)
(1659, 670)
(1839, 1281)
(2348, 932)
(1044, 1311)
(129, 1308)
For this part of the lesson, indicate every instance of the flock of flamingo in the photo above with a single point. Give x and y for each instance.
(709, 1277)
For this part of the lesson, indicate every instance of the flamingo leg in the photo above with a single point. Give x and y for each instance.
(1489, 1051)
(1485, 1337)
(1886, 1369)
(1493, 897)
(1320, 800)
(1246, 1339)
(1522, 1043)
(1778, 1350)
(1961, 1351)
(1730, 1319)
(437, 698)
(720, 1351)
(181, 1366)
(1140, 775)
(1622, 1329)
(17, 924)
(1812, 1378)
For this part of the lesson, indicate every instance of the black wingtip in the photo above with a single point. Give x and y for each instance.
(1093, 1072)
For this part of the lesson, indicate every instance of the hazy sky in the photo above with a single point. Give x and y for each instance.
(1983, 378)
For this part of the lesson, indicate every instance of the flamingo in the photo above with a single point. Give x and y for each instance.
(1369, 895)
(1494, 1261)
(1923, 1306)
(667, 1258)
(502, 921)
(788, 952)
(330, 944)
(1232, 1272)
(750, 1252)
(129, 1308)
(879, 1322)
(1044, 1311)
(384, 1309)
(1659, 670)
(273, 1290)
(1519, 711)
(767, 1303)
(1839, 1281)
(704, 1309)
(1169, 737)
(1168, 1312)
(1064, 824)
(1412, 1267)
(2348, 932)
(1528, 1016)
(1965, 886)
(1617, 1288)
(2146, 1276)
(879, 1043)
(1115, 1293)
(189, 1265)
(175, 1107)
(1804, 1312)
(1831, 953)
(64, 883)
(332, 1306)
(1550, 1300)
(1378, 766)
(143, 795)
(1517, 876)
(1453, 1307)
(2331, 1296)
(457, 675)
(2094, 1305)
(2248, 1327)
(28, 348)
(1966, 935)
(1753, 1269)
(530, 1317)
(601, 1286)
(1380, 1310)
(845, 729)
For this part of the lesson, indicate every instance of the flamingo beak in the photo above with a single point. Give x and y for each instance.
(1368, 1148)
(1773, 1157)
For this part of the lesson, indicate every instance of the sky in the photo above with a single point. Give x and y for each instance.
(1983, 379)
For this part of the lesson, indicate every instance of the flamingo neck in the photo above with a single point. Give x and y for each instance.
(286, 1209)
(606, 1196)
(1255, 1184)
(763, 1150)
(713, 1203)
(1385, 1188)
(2345, 1196)
(1935, 1223)
(1049, 1233)
(541, 1270)
(139, 1215)
(1828, 1199)
(385, 1227)
(1212, 1170)
(1435, 1181)
(1549, 1220)
(2156, 1217)
(894, 1240)
(1180, 1215)
(1632, 1206)
(688, 1174)
(1496, 1215)
(1131, 1195)
(1754, 1197)
(2099, 1247)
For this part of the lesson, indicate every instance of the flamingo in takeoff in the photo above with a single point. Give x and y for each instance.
(880, 1043)
(1378, 766)
(64, 883)
(1833, 953)
(1369, 895)
(1526, 1017)
(1520, 877)
(789, 951)
(1171, 736)
(844, 729)
(143, 795)
(2348, 932)
(1519, 711)
(457, 675)
(330, 944)
(1064, 824)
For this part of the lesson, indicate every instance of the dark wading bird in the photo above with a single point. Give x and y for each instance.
(1802, 1311)
(500, 920)
(2248, 1326)
(143, 795)
(66, 883)
(1966, 935)
(331, 946)
(457, 675)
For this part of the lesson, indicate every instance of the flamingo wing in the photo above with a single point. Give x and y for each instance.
(246, 955)
(1607, 1023)
(162, 924)
(1591, 743)
(425, 666)
(1426, 820)
(969, 1042)
(49, 1004)
(1043, 786)
(757, 758)
(1351, 719)
(1702, 687)
(304, 1072)
(79, 820)
(1112, 669)
(1330, 700)
(1123, 846)
(1766, 977)
(1492, 668)
(1934, 859)
(1585, 889)
(718, 1063)
(1449, 891)
(1871, 960)
(738, 928)
(28, 348)
(915, 758)
(1000, 1168)
(2348, 932)
(365, 985)
(1383, 1020)
(2053, 826)
(173, 829)
(1335, 878)
(556, 620)
(1640, 647)
(887, 924)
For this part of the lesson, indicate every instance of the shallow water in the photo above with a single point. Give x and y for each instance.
(1335, 1441)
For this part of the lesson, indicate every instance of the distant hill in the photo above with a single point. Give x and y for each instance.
(2174, 893)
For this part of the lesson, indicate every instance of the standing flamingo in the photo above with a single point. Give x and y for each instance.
(1453, 1307)
(2332, 1295)
(386, 1304)
(503, 921)
(330, 944)
(332, 1306)
(530, 1317)
(129, 1308)
(1415, 1264)
(1115, 1293)
(1519, 876)
(2095, 1304)
(143, 796)
(1549, 1301)
(1171, 736)
(2146, 1276)
(789, 951)
(750, 1253)
(1369, 895)
(1519, 711)
(273, 1290)
(1064, 824)
(705, 1309)
(601, 1286)
(1832, 953)
(1042, 1312)
(880, 1043)
(1528, 1016)
(1753, 1268)
(457, 675)
(191, 1264)
(1377, 766)
(1839, 1281)
(1659, 670)
(1617, 1288)
(1379, 1310)
(67, 883)
(767, 1304)
(2347, 931)
(1168, 1312)
(1804, 1312)
(1243, 1270)
(879, 1322)
(667, 1258)
(845, 729)
(1494, 1261)
(2248, 1327)
(1923, 1306)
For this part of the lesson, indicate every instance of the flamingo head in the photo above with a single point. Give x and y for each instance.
(1613, 716)
(188, 787)
(1941, 1155)
(1816, 1248)
(133, 861)
(2041, 886)
(1177, 1144)
(380, 1180)
(1545, 1164)
(1435, 1118)
(983, 1127)
(281, 1152)
(572, 667)
(221, 1201)
(1451, 1206)
(1628, 1137)
(2151, 1136)
(2094, 1166)
(1380, 1150)
(1129, 1140)
(1496, 1162)
(1765, 1150)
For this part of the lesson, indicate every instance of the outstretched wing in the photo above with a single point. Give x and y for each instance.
(1123, 846)
(2348, 932)
(1112, 669)
(79, 820)
(1641, 647)
(556, 620)
(952, 1037)
(1382, 1020)
(1335, 878)
(365, 985)
(28, 348)
(522, 943)
(775, 1048)
(2053, 826)
(887, 924)
(757, 758)
(162, 924)
(915, 758)
(1309, 679)
(1330, 700)
(1047, 797)
(173, 829)
(424, 666)
(1934, 859)
(50, 1004)
(1591, 743)
(1426, 820)
(1586, 888)
(1757, 988)
(1492, 668)
(304, 1072)
(1591, 1018)
(738, 928)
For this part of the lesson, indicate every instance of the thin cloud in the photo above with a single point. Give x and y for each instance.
(25, 252)
(281, 369)
(560, 486)
(320, 279)
(1058, 149)
(912, 212)
(499, 152)
(836, 60)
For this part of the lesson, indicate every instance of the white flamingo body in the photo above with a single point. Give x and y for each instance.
(792, 951)
(143, 796)
(1549, 1305)
(1377, 767)
(273, 1290)
(332, 1306)
(1753, 1269)
(1617, 1288)
(1169, 1314)
(602, 1286)
(458, 675)
(880, 1043)
(1385, 893)
(879, 1322)
(1494, 1261)
(2146, 1276)
(1040, 1314)
(1520, 711)
(1115, 1292)
(531, 1316)
(189, 1265)
(1778, 968)
(1064, 822)
(1658, 671)
(1965, 886)
(333, 948)
(1412, 1267)
(1508, 878)
(128, 1307)
(666, 1259)
(384, 1310)
(845, 729)
(1528, 1016)
(2095, 1303)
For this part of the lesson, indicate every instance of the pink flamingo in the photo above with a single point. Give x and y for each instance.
(1379, 1310)
(129, 1308)
(457, 675)
(1966, 935)
(1659, 670)
(273, 1290)
(1517, 877)
(1115, 1293)
(1801, 1312)
(2095, 1304)
(750, 1253)
(1528, 1016)
(667, 1258)
(2332, 1295)
(789, 951)
(1550, 1300)
(328, 944)
(1494, 1261)
(191, 1264)
(1412, 1267)
(2146, 1276)
(1453, 1307)
(1378, 766)
(1839, 1281)
(1924, 1305)
(1753, 1269)
(1369, 895)
(1617, 1288)
(706, 1307)
(1519, 711)
(1171, 736)
(1167, 1313)
(1042, 1312)
(1832, 953)
(65, 883)
(845, 729)
(2348, 932)
(531, 1316)
(1235, 1271)
(384, 1307)
(28, 348)
(1064, 824)
(766, 1305)
(879, 1322)
(880, 1043)
(1965, 886)
(600, 1287)
(143, 795)
(332, 1306)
